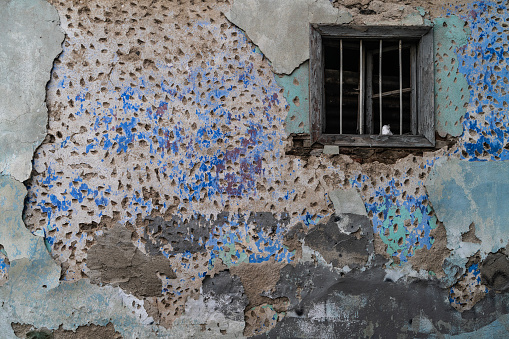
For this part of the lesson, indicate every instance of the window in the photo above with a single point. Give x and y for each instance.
(364, 79)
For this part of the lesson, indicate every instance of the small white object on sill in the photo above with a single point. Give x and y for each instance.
(386, 130)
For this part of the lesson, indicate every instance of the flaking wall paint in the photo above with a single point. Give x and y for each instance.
(167, 123)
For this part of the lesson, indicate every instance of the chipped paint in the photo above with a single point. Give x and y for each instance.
(463, 193)
(167, 138)
(296, 93)
(482, 62)
(451, 90)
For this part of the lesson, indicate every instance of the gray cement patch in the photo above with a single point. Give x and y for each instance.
(339, 248)
(324, 303)
(190, 235)
(495, 272)
(227, 294)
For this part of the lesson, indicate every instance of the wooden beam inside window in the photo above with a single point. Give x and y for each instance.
(395, 92)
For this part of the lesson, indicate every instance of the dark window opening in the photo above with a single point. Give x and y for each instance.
(342, 114)
(372, 86)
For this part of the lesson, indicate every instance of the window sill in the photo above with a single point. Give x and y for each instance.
(383, 141)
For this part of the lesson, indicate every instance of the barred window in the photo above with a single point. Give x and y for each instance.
(372, 86)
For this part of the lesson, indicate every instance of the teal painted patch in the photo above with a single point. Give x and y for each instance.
(296, 92)
(463, 192)
(451, 87)
(405, 224)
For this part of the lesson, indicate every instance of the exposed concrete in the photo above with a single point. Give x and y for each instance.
(82, 332)
(340, 249)
(432, 259)
(212, 323)
(495, 272)
(463, 192)
(115, 260)
(258, 280)
(261, 319)
(190, 235)
(31, 39)
(470, 235)
(281, 28)
(496, 329)
(227, 294)
(360, 303)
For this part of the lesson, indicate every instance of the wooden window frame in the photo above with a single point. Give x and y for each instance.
(425, 133)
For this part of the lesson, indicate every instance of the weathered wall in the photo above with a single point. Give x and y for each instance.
(163, 201)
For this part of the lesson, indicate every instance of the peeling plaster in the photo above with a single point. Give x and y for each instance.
(31, 39)
(323, 299)
(463, 192)
(33, 293)
(17, 240)
(281, 28)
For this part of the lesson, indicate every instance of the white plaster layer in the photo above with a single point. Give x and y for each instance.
(347, 201)
(31, 39)
(281, 28)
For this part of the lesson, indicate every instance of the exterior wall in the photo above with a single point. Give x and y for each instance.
(168, 199)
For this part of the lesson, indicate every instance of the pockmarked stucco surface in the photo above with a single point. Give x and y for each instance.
(164, 201)
(451, 90)
(28, 48)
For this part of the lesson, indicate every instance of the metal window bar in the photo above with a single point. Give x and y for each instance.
(380, 84)
(380, 94)
(413, 85)
(400, 91)
(361, 90)
(341, 86)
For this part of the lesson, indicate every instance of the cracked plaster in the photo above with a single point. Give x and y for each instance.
(281, 28)
(462, 193)
(82, 298)
(31, 39)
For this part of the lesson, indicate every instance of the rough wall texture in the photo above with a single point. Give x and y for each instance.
(29, 42)
(163, 202)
